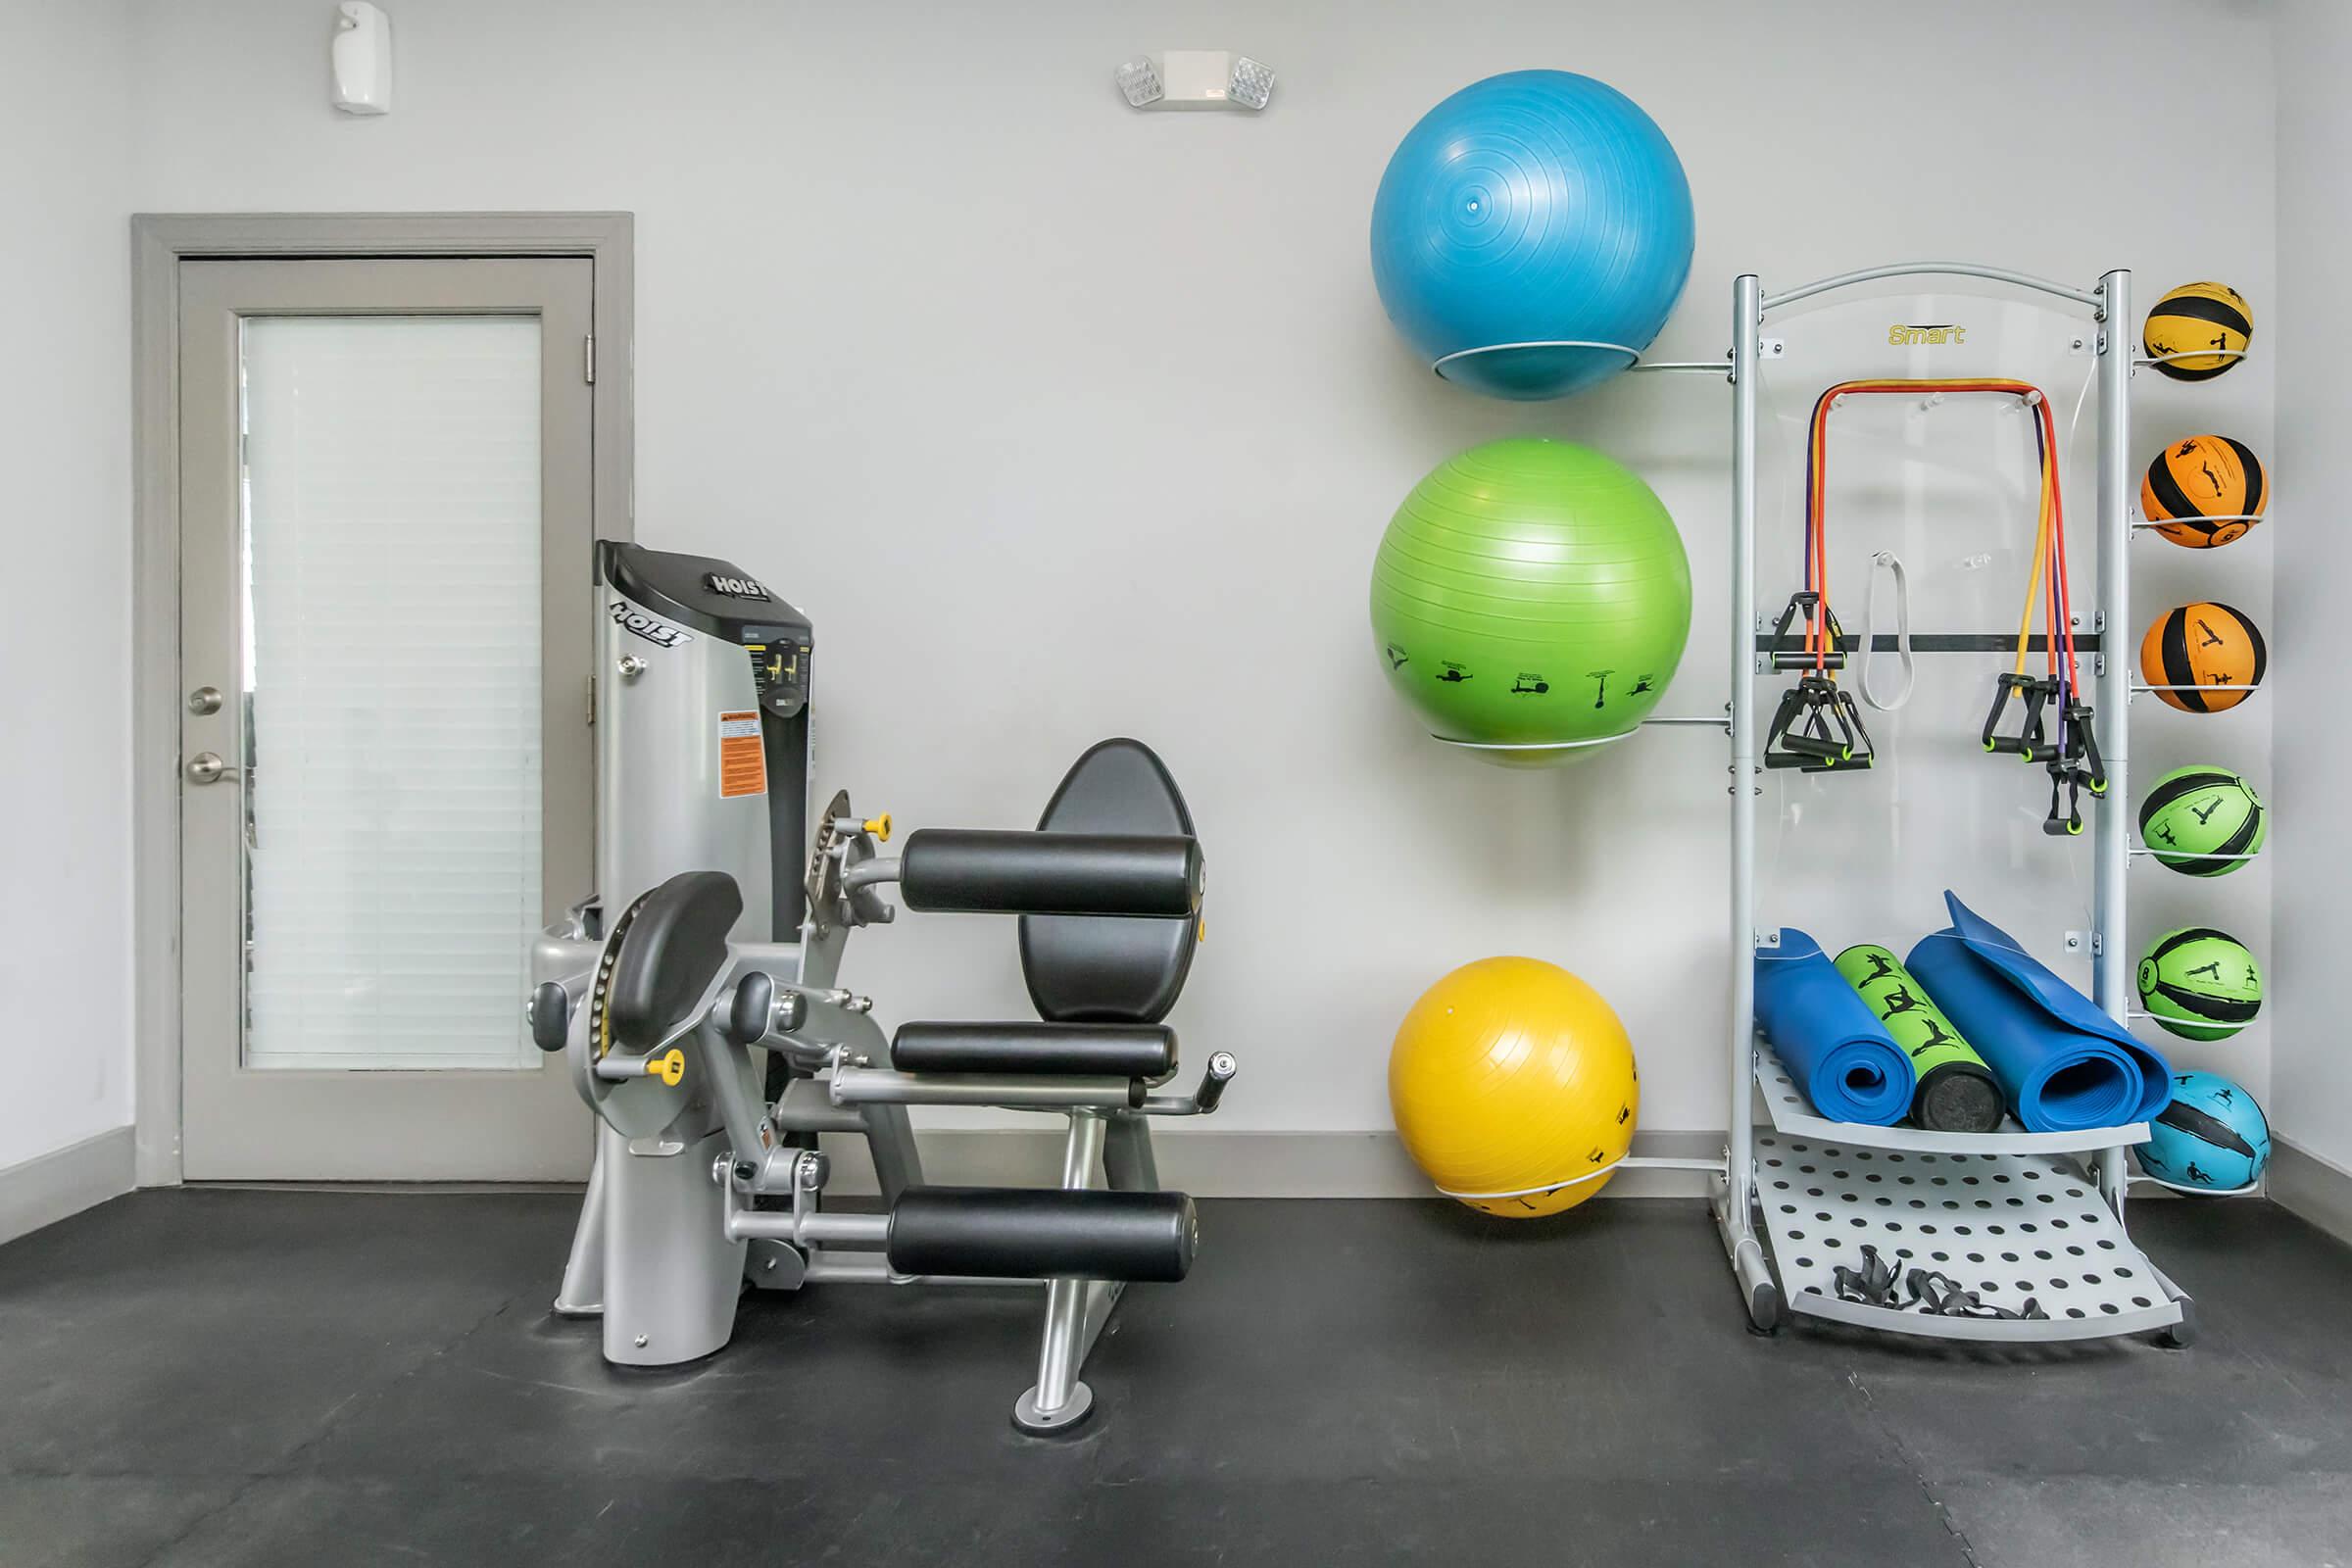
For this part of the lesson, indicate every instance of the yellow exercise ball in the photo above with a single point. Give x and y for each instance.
(1513, 1076)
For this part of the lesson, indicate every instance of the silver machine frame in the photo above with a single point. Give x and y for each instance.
(1747, 1068)
(701, 1186)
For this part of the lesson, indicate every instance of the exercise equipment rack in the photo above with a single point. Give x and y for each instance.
(2008, 1215)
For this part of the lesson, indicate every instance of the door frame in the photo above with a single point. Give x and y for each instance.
(158, 243)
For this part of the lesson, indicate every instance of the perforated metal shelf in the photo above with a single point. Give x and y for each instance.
(2011, 1227)
(1794, 1114)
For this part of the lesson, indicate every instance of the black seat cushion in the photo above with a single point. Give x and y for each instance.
(1066, 1050)
(1143, 1050)
(1098, 969)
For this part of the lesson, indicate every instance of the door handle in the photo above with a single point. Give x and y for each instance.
(206, 768)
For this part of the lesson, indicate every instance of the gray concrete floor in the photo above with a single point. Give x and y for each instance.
(258, 1378)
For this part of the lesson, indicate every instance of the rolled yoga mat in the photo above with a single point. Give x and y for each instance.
(1827, 1037)
(1957, 1092)
(2063, 1063)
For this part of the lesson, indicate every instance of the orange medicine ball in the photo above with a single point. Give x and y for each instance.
(2200, 645)
(2204, 491)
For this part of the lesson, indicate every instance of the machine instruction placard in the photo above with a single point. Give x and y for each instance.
(742, 770)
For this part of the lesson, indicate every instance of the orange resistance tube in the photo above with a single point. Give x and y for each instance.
(2049, 549)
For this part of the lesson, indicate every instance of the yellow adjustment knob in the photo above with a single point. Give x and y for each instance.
(879, 827)
(1200, 928)
(669, 1067)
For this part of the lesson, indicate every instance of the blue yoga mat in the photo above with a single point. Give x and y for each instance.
(2063, 1063)
(1828, 1038)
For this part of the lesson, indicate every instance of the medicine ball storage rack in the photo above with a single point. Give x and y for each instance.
(2138, 527)
(2005, 1216)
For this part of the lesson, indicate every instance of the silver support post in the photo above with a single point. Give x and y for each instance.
(1059, 1401)
(1733, 1218)
(1128, 1165)
(890, 1140)
(582, 1292)
(2111, 843)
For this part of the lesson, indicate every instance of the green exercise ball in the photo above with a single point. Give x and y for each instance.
(1531, 593)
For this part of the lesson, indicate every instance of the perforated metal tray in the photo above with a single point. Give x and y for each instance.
(2012, 1227)
(1794, 1116)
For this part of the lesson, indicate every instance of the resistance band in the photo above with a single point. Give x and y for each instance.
(2073, 758)
(2049, 543)
(1894, 566)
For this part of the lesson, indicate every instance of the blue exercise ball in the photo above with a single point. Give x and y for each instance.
(1533, 206)
(2212, 1138)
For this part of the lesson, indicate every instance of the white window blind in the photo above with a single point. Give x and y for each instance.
(393, 687)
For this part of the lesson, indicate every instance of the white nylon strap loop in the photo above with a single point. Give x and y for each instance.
(1902, 631)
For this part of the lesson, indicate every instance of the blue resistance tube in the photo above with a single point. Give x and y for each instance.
(2063, 1065)
(1533, 206)
(1828, 1038)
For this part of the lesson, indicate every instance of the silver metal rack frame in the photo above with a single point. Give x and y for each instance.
(1735, 1201)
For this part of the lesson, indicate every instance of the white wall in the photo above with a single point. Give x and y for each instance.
(2313, 1065)
(65, 529)
(1063, 420)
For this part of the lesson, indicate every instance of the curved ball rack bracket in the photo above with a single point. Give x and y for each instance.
(1633, 357)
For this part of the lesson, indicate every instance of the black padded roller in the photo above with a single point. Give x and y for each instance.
(1041, 1233)
(975, 871)
(1146, 1050)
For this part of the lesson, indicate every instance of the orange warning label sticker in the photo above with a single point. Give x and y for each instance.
(741, 769)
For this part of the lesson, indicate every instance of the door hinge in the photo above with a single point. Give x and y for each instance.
(588, 358)
(592, 702)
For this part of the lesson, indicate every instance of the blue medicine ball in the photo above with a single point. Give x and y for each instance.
(1533, 206)
(2213, 1135)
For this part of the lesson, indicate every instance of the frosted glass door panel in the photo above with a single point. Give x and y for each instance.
(391, 545)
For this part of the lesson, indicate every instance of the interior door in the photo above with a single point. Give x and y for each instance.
(387, 773)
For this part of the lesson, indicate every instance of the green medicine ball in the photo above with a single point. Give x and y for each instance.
(2202, 821)
(1530, 592)
(2199, 983)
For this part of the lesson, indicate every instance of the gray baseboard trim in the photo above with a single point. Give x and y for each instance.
(66, 1181)
(2311, 1186)
(1237, 1164)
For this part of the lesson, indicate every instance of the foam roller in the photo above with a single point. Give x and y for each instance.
(1041, 1233)
(1956, 1093)
(976, 871)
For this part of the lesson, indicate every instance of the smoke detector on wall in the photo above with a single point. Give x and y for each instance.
(1196, 79)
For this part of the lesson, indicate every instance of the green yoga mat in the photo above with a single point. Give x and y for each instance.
(1957, 1093)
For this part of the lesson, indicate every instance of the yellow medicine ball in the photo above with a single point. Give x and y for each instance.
(1513, 1076)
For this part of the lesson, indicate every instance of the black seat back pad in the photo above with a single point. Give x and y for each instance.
(979, 871)
(1041, 1233)
(1145, 1051)
(1084, 970)
(674, 946)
